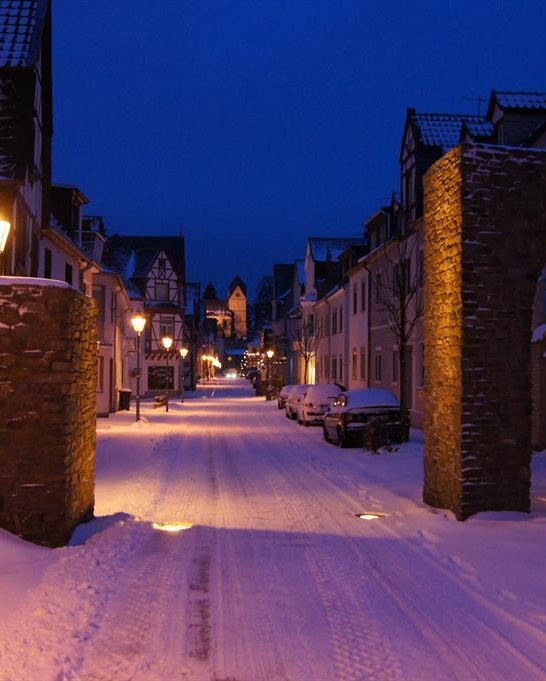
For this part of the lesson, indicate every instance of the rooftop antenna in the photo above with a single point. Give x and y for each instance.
(477, 100)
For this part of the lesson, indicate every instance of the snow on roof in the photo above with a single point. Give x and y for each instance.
(129, 269)
(327, 249)
(539, 334)
(479, 129)
(21, 26)
(33, 281)
(521, 100)
(443, 130)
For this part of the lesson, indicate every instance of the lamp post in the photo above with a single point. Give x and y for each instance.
(183, 355)
(269, 354)
(167, 343)
(5, 226)
(138, 323)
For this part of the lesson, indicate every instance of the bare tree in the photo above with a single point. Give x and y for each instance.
(307, 341)
(402, 301)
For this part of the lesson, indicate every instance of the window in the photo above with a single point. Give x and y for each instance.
(363, 296)
(395, 366)
(99, 295)
(100, 374)
(161, 291)
(326, 367)
(421, 365)
(363, 364)
(396, 280)
(47, 263)
(378, 287)
(166, 327)
(355, 299)
(378, 367)
(68, 273)
(340, 368)
(161, 268)
(334, 322)
(354, 362)
(334, 368)
(341, 319)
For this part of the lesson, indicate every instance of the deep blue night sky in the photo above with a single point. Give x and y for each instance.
(254, 124)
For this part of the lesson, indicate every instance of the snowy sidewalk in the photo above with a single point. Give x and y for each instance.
(276, 579)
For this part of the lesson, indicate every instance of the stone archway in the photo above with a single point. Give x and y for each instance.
(485, 246)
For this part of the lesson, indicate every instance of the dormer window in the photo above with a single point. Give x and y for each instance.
(161, 267)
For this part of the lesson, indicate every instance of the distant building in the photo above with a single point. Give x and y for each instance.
(238, 304)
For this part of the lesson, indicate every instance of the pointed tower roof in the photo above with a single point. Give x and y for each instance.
(237, 281)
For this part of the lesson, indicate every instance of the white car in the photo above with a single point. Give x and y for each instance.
(283, 394)
(292, 400)
(315, 402)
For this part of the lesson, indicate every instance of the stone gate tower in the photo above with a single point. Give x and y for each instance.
(485, 247)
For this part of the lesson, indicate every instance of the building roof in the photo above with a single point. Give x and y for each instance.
(21, 26)
(326, 249)
(477, 130)
(134, 255)
(441, 130)
(237, 281)
(519, 100)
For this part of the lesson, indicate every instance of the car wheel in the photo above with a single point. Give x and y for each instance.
(341, 441)
(306, 424)
(293, 416)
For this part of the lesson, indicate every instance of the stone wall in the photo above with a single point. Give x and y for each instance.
(485, 245)
(538, 371)
(47, 410)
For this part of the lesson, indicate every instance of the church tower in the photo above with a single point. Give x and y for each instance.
(237, 303)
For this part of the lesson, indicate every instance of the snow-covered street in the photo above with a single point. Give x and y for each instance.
(276, 579)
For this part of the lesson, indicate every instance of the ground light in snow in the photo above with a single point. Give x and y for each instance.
(172, 527)
(371, 516)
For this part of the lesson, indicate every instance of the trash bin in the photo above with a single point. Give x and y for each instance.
(124, 399)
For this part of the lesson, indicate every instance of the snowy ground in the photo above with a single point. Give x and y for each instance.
(276, 579)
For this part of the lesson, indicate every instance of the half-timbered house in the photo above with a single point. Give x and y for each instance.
(153, 268)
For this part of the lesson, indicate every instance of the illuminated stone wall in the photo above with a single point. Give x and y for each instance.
(48, 363)
(485, 245)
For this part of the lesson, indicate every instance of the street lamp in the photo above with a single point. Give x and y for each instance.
(183, 355)
(138, 322)
(167, 343)
(269, 354)
(5, 226)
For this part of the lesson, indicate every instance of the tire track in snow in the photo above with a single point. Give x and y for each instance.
(389, 573)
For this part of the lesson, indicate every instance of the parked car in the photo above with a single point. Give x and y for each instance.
(282, 395)
(353, 412)
(292, 400)
(316, 401)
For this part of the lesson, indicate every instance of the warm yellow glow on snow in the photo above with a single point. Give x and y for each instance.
(171, 527)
